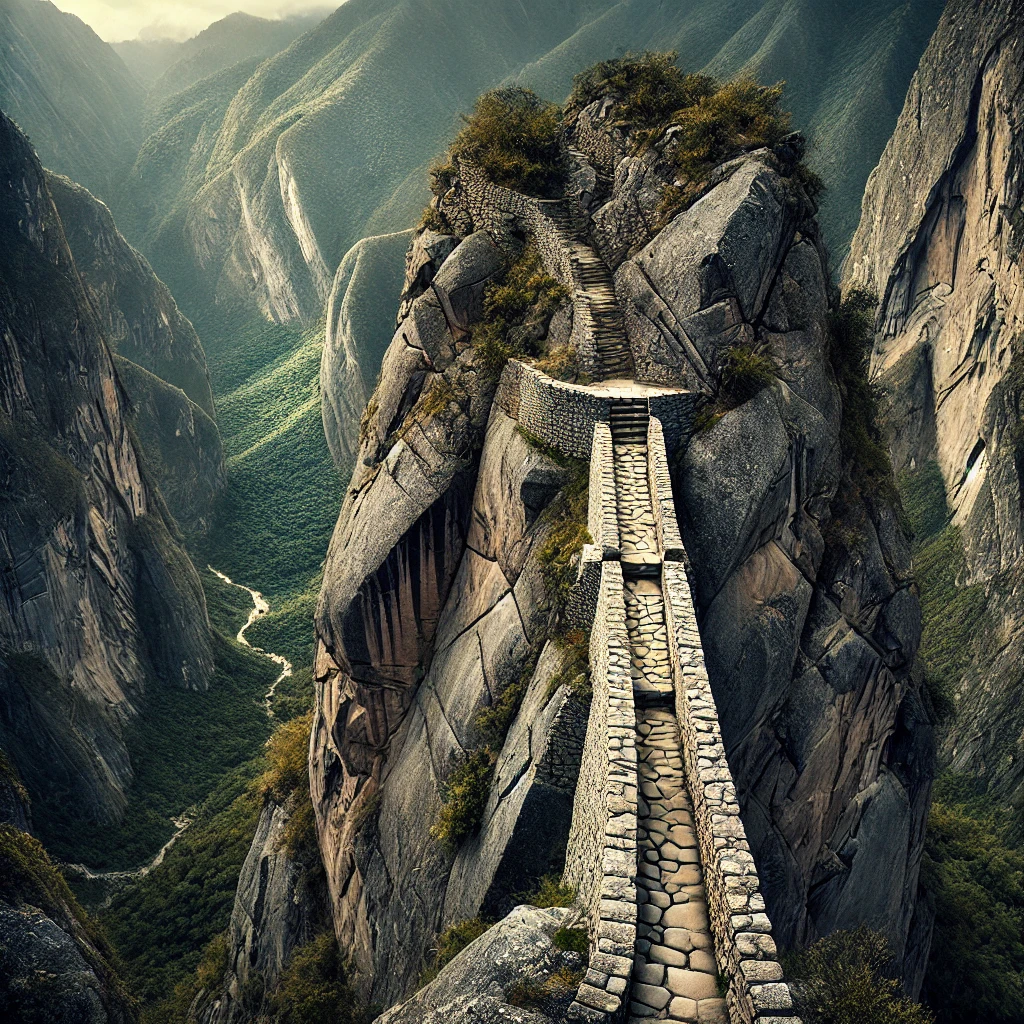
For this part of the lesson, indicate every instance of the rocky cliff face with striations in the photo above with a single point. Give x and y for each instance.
(99, 598)
(161, 361)
(434, 602)
(939, 244)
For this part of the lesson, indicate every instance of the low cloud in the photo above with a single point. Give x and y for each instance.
(115, 20)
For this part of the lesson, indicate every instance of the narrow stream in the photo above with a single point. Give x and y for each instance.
(260, 607)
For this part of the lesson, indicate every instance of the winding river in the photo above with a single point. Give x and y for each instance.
(260, 607)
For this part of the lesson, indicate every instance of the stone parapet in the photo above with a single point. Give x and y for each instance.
(559, 414)
(601, 857)
(745, 950)
(670, 542)
(603, 521)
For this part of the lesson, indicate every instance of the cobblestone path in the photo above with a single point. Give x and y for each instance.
(597, 302)
(675, 977)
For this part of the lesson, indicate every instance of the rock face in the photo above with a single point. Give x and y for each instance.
(432, 605)
(277, 908)
(432, 599)
(939, 243)
(54, 966)
(162, 364)
(472, 989)
(367, 281)
(99, 598)
(806, 614)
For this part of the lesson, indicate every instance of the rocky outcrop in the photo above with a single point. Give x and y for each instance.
(55, 966)
(939, 243)
(279, 906)
(99, 598)
(161, 361)
(512, 973)
(358, 333)
(432, 606)
(802, 585)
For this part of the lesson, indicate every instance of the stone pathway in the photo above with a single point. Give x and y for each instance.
(674, 972)
(675, 977)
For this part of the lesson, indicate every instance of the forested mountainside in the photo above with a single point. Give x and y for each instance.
(328, 141)
(63, 85)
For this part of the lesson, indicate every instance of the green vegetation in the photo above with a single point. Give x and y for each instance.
(745, 373)
(451, 942)
(464, 796)
(180, 749)
(274, 523)
(865, 451)
(955, 627)
(515, 138)
(713, 122)
(530, 994)
(842, 979)
(974, 873)
(314, 988)
(550, 893)
(494, 721)
(566, 520)
(286, 753)
(517, 311)
(575, 940)
(161, 924)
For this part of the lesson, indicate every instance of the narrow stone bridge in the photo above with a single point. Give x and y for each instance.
(657, 850)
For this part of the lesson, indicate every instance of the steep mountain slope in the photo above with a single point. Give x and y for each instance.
(161, 361)
(100, 600)
(939, 243)
(445, 676)
(327, 141)
(71, 93)
(168, 67)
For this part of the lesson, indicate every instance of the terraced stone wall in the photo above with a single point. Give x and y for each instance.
(602, 855)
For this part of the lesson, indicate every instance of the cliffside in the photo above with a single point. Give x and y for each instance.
(436, 607)
(99, 598)
(161, 362)
(939, 245)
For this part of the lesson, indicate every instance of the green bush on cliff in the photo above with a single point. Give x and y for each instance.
(314, 987)
(842, 979)
(974, 874)
(464, 796)
(517, 311)
(515, 137)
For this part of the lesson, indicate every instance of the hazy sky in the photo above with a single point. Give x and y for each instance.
(115, 20)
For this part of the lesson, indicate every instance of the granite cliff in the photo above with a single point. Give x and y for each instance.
(439, 614)
(939, 247)
(100, 600)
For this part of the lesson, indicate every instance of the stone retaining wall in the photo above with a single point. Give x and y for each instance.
(559, 414)
(602, 510)
(670, 542)
(601, 858)
(744, 946)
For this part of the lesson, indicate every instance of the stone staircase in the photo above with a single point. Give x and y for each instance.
(675, 976)
(596, 299)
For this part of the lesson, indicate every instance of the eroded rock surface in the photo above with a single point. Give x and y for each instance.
(939, 243)
(99, 598)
